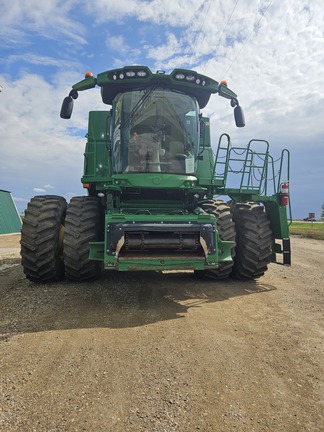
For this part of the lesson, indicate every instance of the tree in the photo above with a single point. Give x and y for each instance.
(322, 214)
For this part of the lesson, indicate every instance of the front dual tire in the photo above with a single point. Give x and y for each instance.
(83, 224)
(42, 239)
(253, 241)
(46, 257)
(248, 226)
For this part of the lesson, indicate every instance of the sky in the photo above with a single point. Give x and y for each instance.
(271, 52)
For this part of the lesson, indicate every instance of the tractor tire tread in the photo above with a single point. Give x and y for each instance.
(254, 241)
(40, 249)
(226, 229)
(82, 225)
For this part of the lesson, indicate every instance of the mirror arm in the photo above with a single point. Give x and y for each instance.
(234, 102)
(74, 94)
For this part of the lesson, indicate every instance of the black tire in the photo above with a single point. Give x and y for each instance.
(254, 241)
(226, 230)
(83, 224)
(41, 239)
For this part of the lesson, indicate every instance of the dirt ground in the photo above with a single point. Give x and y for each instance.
(163, 352)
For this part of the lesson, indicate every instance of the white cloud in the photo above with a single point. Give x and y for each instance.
(171, 12)
(39, 60)
(49, 18)
(126, 54)
(171, 48)
(271, 53)
(39, 147)
(116, 43)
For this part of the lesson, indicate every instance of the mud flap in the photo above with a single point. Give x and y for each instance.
(286, 251)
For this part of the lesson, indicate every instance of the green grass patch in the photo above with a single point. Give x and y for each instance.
(314, 230)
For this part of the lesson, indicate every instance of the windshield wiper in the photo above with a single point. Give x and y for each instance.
(138, 106)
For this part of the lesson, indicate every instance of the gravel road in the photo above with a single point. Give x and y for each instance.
(163, 352)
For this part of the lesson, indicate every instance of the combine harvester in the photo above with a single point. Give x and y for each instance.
(151, 177)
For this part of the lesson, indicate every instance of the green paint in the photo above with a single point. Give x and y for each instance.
(151, 161)
(10, 221)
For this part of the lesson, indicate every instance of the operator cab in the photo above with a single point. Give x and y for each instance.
(155, 130)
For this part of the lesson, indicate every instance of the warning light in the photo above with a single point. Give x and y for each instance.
(88, 74)
(223, 82)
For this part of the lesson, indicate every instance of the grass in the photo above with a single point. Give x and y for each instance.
(314, 230)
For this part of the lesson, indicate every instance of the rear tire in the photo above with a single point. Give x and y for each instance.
(83, 224)
(226, 231)
(41, 242)
(254, 241)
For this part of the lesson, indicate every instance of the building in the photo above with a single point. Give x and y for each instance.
(10, 221)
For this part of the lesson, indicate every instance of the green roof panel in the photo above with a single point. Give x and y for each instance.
(10, 221)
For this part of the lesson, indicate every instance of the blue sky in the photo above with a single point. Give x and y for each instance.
(270, 51)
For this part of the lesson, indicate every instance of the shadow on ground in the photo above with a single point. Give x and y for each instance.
(116, 300)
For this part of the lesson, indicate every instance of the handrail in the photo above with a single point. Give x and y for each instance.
(257, 169)
(227, 149)
(285, 152)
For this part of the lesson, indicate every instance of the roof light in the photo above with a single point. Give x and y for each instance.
(180, 76)
(141, 73)
(121, 76)
(130, 74)
(197, 81)
(88, 74)
(114, 77)
(203, 82)
(190, 78)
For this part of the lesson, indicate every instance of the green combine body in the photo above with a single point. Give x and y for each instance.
(151, 178)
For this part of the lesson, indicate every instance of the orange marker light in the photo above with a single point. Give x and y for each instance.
(223, 82)
(88, 74)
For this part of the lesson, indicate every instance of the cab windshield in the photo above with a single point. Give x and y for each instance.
(155, 130)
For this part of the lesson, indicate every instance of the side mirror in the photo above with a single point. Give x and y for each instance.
(239, 116)
(67, 108)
